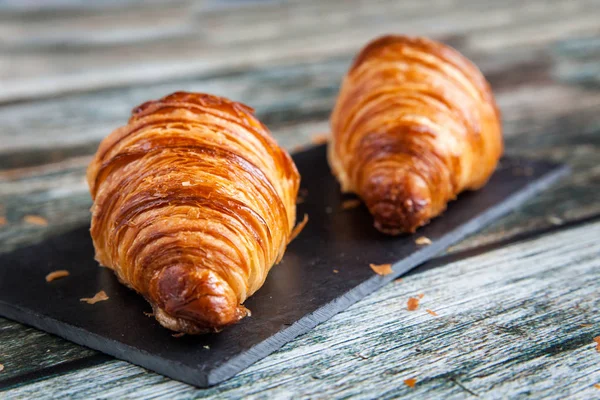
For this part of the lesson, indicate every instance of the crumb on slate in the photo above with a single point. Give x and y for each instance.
(423, 240)
(100, 296)
(381, 269)
(597, 340)
(319, 138)
(350, 204)
(431, 312)
(35, 220)
(3, 221)
(61, 273)
(299, 227)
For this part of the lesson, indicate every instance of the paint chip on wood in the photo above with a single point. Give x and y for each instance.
(431, 312)
(350, 204)
(412, 304)
(298, 228)
(381, 269)
(100, 296)
(61, 273)
(423, 240)
(410, 382)
(35, 220)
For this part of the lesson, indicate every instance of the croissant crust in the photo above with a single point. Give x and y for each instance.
(193, 204)
(414, 125)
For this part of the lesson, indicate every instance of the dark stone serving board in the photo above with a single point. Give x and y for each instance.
(299, 293)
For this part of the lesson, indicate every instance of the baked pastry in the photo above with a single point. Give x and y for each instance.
(414, 125)
(193, 204)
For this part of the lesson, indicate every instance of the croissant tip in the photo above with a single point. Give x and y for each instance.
(195, 300)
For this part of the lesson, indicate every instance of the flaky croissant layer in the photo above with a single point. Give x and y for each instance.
(193, 204)
(414, 125)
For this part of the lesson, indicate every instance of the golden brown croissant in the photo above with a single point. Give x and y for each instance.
(193, 204)
(415, 124)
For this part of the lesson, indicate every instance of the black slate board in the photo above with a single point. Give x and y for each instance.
(300, 293)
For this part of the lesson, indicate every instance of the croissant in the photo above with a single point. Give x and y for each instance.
(414, 125)
(193, 204)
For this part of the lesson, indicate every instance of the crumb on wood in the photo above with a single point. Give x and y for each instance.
(335, 271)
(61, 273)
(431, 312)
(597, 340)
(410, 382)
(423, 240)
(178, 335)
(319, 138)
(299, 227)
(381, 269)
(186, 183)
(100, 296)
(412, 304)
(35, 220)
(350, 204)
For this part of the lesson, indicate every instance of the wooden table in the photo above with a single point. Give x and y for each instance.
(517, 304)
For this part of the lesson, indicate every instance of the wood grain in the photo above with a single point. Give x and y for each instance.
(80, 50)
(502, 330)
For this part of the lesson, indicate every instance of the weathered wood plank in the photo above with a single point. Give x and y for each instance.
(189, 40)
(513, 322)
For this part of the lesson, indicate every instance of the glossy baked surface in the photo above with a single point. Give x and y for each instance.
(193, 204)
(415, 124)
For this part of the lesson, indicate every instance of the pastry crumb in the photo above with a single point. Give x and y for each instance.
(420, 295)
(335, 271)
(186, 183)
(298, 228)
(382, 269)
(178, 335)
(586, 325)
(100, 296)
(148, 314)
(350, 204)
(423, 240)
(554, 220)
(597, 340)
(1, 367)
(410, 382)
(431, 312)
(3, 221)
(412, 304)
(319, 138)
(35, 220)
(362, 356)
(61, 273)
(207, 347)
(597, 385)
